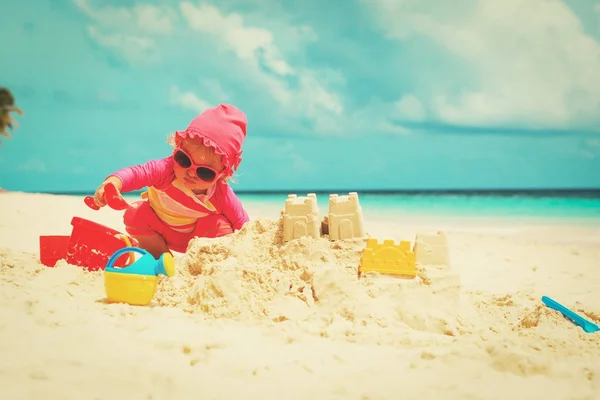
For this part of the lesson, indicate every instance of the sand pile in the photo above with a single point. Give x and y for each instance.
(312, 286)
(251, 275)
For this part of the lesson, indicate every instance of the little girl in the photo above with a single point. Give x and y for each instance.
(188, 194)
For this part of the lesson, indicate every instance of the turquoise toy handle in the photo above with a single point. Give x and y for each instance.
(587, 326)
(122, 251)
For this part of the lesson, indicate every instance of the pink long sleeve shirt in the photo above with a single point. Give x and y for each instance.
(176, 205)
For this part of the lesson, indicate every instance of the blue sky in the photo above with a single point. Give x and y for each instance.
(364, 94)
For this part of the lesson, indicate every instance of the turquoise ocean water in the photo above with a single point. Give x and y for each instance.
(556, 205)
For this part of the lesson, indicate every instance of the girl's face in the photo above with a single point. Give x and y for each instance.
(201, 156)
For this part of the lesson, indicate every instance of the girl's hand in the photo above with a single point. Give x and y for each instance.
(110, 195)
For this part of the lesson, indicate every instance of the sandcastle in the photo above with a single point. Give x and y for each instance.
(301, 217)
(344, 220)
(431, 249)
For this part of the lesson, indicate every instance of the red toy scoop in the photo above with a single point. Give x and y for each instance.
(111, 196)
(89, 201)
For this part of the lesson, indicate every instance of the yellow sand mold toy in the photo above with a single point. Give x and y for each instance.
(136, 283)
(388, 258)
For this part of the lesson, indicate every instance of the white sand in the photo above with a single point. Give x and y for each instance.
(247, 318)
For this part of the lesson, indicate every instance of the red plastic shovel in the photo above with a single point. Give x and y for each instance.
(112, 198)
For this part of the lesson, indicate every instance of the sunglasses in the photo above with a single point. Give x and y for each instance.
(203, 172)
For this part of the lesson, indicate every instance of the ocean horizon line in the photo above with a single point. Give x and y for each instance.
(547, 192)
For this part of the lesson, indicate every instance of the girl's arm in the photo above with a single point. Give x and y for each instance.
(232, 208)
(152, 173)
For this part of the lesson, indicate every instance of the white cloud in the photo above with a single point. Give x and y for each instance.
(409, 108)
(130, 30)
(33, 165)
(255, 47)
(593, 142)
(131, 47)
(146, 17)
(289, 156)
(587, 154)
(79, 170)
(299, 92)
(245, 41)
(217, 92)
(107, 96)
(188, 100)
(529, 63)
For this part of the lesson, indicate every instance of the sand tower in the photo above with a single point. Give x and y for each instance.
(432, 249)
(301, 217)
(345, 218)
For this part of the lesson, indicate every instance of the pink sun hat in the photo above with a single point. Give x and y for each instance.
(223, 128)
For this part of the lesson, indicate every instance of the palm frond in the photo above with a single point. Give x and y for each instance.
(7, 106)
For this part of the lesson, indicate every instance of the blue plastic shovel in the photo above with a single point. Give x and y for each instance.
(577, 319)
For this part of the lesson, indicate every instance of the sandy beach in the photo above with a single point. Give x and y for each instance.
(246, 317)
